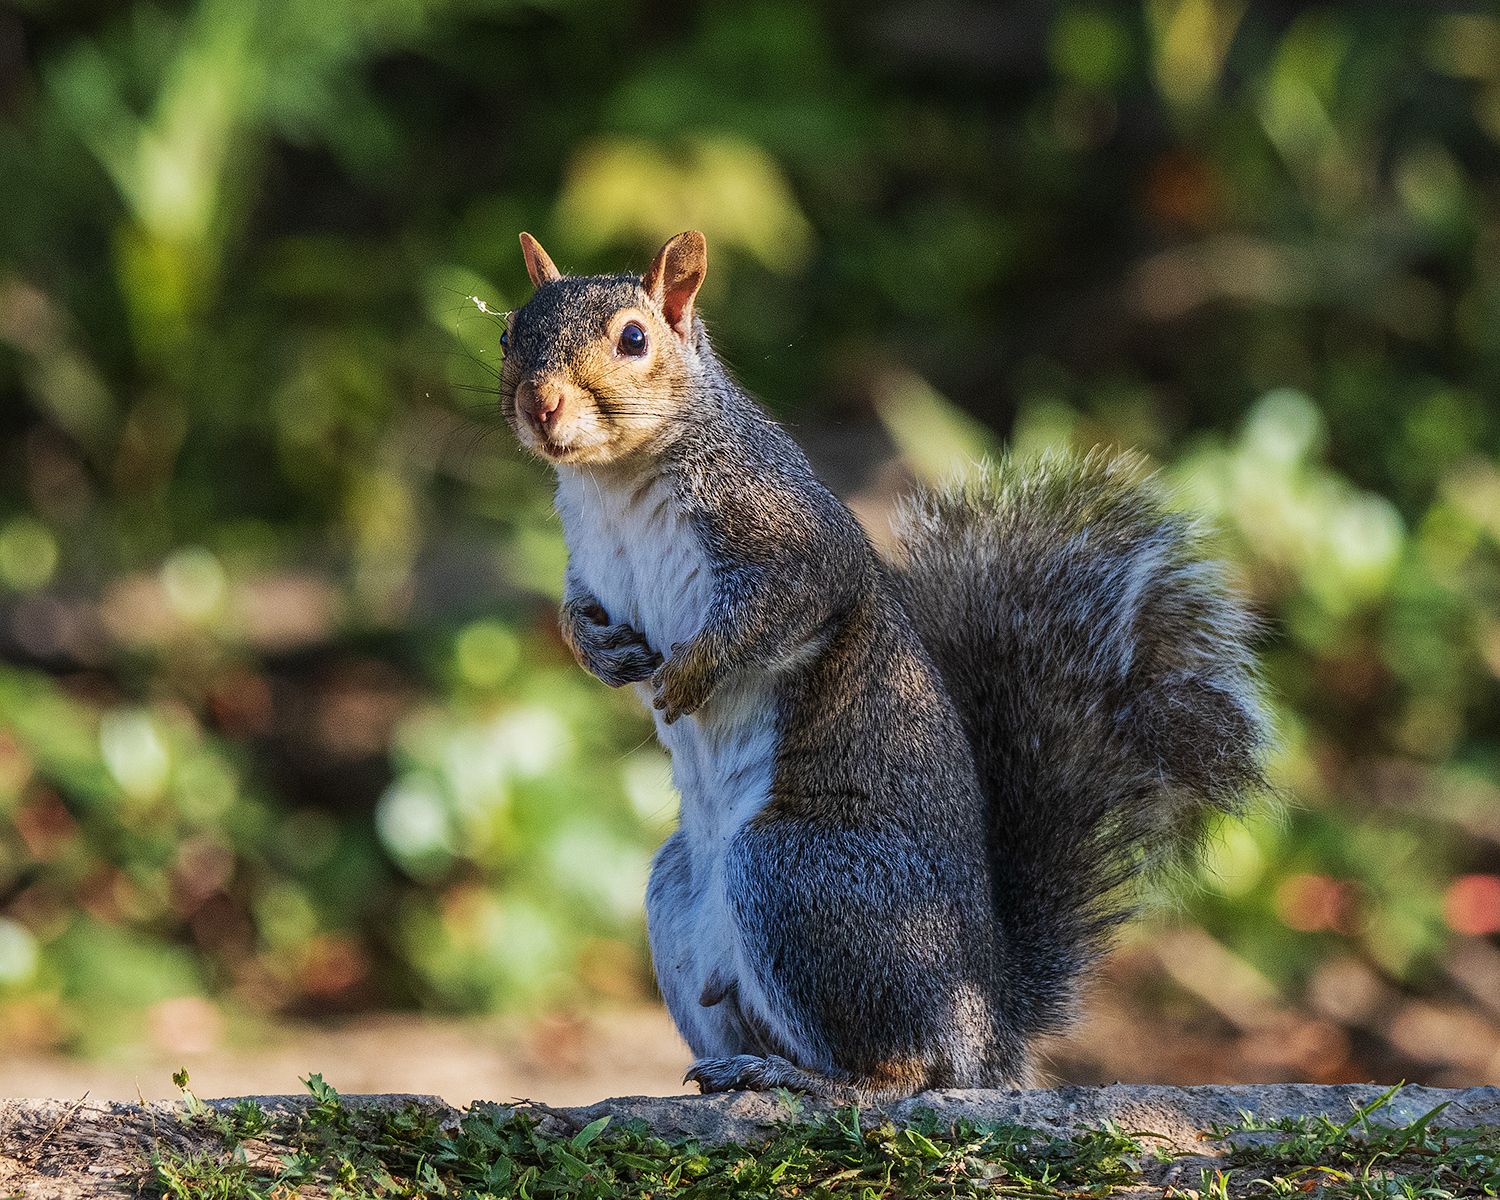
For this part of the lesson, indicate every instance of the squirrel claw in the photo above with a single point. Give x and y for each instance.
(662, 702)
(721, 1074)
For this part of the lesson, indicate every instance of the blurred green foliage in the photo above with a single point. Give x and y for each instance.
(283, 718)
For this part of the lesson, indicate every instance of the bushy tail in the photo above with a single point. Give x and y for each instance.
(1105, 676)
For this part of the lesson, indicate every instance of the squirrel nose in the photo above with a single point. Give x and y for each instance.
(543, 401)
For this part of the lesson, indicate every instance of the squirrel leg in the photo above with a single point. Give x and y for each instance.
(749, 627)
(868, 953)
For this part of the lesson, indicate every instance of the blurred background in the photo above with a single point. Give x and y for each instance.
(294, 772)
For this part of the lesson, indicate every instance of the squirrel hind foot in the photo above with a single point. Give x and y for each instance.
(754, 1073)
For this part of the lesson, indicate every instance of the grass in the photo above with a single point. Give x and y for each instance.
(335, 1150)
(1360, 1160)
(343, 1152)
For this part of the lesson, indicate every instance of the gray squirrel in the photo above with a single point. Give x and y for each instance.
(914, 792)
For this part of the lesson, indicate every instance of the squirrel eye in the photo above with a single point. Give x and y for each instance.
(632, 340)
(504, 341)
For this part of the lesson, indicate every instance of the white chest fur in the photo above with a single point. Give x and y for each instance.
(629, 544)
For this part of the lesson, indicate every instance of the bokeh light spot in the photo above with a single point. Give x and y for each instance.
(28, 553)
(18, 953)
(1472, 905)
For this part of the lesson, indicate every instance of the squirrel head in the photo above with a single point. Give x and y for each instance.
(602, 367)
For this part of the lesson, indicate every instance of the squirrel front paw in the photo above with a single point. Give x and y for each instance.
(615, 653)
(681, 684)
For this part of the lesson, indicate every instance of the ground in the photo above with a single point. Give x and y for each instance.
(1196, 1143)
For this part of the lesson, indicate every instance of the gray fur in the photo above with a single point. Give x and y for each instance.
(912, 793)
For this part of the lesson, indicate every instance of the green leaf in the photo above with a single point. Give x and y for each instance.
(589, 1132)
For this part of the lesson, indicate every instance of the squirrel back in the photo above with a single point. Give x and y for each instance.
(1105, 678)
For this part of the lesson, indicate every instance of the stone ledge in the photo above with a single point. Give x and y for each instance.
(1178, 1116)
(70, 1150)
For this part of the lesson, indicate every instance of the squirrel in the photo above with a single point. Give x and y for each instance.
(914, 789)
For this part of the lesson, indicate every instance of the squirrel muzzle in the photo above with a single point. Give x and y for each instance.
(549, 407)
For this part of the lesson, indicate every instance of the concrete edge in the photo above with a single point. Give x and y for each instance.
(1175, 1116)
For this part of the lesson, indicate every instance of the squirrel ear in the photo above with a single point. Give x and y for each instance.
(674, 277)
(539, 264)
